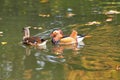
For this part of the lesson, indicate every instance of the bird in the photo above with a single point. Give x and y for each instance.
(32, 40)
(59, 38)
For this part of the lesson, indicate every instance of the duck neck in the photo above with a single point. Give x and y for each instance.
(26, 33)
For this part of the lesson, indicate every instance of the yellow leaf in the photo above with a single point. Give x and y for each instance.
(3, 43)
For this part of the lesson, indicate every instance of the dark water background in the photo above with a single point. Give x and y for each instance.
(96, 60)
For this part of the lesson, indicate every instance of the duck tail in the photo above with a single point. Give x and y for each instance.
(84, 35)
(74, 34)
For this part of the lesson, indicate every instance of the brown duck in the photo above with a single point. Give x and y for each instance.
(32, 40)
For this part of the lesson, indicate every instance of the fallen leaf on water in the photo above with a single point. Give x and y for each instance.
(44, 15)
(1, 32)
(3, 43)
(37, 28)
(109, 19)
(112, 12)
(40, 28)
(68, 15)
(34, 27)
(93, 23)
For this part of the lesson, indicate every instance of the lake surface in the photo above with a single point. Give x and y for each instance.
(98, 57)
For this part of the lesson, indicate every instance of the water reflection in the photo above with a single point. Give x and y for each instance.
(59, 49)
(28, 60)
(46, 64)
(39, 61)
(6, 68)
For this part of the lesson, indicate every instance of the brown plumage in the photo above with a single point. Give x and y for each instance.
(31, 40)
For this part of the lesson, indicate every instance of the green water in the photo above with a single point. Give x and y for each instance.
(95, 60)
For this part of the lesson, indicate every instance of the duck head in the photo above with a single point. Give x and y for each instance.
(56, 32)
(56, 36)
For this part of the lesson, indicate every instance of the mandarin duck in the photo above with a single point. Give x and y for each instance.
(32, 40)
(59, 38)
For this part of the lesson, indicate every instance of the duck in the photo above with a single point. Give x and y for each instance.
(59, 38)
(32, 40)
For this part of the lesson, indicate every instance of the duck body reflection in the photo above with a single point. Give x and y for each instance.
(38, 63)
(59, 49)
(41, 59)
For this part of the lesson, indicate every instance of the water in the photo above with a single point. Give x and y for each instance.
(96, 59)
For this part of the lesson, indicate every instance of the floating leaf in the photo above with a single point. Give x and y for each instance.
(34, 27)
(70, 14)
(44, 15)
(112, 12)
(37, 28)
(1, 32)
(93, 23)
(40, 28)
(3, 43)
(109, 19)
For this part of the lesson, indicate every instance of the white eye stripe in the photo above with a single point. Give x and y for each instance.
(56, 31)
